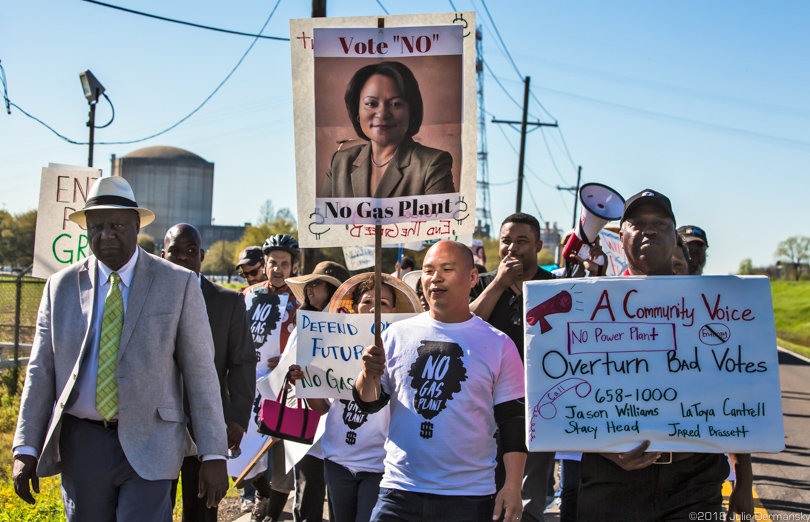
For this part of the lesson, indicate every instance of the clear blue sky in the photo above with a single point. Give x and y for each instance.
(707, 102)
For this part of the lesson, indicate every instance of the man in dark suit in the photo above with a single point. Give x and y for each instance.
(119, 335)
(234, 358)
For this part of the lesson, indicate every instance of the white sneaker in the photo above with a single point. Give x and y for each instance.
(247, 505)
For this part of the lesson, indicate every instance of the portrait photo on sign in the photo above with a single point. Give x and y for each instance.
(387, 123)
(388, 118)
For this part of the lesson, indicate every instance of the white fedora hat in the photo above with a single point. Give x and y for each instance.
(112, 192)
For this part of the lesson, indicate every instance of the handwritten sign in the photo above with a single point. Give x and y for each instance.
(59, 241)
(358, 257)
(689, 363)
(335, 202)
(612, 247)
(264, 311)
(330, 347)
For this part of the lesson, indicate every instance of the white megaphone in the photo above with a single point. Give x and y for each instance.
(600, 204)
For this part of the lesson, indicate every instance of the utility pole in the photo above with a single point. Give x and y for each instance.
(575, 191)
(309, 256)
(318, 8)
(92, 124)
(523, 125)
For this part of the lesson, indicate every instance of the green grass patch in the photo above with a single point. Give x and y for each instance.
(12, 508)
(795, 348)
(791, 310)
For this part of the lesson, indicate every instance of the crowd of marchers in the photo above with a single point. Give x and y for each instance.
(143, 371)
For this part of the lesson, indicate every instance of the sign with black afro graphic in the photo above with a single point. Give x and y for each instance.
(437, 374)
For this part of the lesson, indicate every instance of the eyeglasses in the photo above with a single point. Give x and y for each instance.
(252, 273)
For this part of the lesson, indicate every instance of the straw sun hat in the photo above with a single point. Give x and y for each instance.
(333, 273)
(111, 193)
(407, 300)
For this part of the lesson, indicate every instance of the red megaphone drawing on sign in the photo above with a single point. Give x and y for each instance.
(560, 303)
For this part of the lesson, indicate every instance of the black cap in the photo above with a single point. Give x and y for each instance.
(693, 233)
(250, 256)
(648, 197)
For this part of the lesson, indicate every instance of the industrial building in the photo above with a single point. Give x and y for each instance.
(178, 186)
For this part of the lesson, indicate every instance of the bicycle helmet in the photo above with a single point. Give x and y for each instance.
(283, 242)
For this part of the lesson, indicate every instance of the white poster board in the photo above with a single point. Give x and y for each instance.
(689, 363)
(439, 49)
(59, 241)
(265, 312)
(612, 247)
(330, 347)
(358, 257)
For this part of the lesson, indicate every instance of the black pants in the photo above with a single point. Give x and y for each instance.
(656, 493)
(194, 508)
(310, 489)
(570, 490)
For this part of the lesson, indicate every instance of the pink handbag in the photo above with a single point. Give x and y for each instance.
(279, 420)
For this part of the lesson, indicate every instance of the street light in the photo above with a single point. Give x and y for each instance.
(92, 91)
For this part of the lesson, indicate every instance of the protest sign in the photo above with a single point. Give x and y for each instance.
(479, 256)
(265, 312)
(59, 241)
(358, 257)
(424, 188)
(612, 247)
(689, 363)
(330, 347)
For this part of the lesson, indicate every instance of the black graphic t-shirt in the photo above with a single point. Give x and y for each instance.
(444, 380)
(354, 439)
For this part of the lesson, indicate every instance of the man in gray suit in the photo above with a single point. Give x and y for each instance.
(118, 337)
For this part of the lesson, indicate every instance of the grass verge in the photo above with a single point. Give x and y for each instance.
(791, 310)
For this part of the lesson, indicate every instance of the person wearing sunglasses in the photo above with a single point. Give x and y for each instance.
(251, 265)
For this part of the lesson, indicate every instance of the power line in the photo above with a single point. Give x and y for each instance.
(503, 183)
(187, 23)
(498, 33)
(684, 121)
(501, 85)
(565, 145)
(189, 115)
(542, 107)
(536, 99)
(551, 156)
(383, 7)
(539, 214)
(508, 142)
(5, 88)
(453, 6)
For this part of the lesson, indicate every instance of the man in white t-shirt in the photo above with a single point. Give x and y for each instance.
(451, 379)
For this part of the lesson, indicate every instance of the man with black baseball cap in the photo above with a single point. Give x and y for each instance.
(697, 243)
(251, 265)
(653, 485)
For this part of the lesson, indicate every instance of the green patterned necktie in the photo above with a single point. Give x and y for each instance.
(111, 327)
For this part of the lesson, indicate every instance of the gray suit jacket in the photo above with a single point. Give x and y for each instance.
(165, 343)
(415, 170)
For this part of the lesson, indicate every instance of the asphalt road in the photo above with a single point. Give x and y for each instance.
(782, 480)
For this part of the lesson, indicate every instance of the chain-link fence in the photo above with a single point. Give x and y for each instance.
(19, 302)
